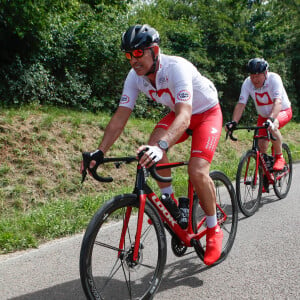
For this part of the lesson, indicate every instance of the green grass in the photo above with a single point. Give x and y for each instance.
(41, 197)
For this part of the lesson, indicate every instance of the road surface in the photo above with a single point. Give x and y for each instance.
(264, 262)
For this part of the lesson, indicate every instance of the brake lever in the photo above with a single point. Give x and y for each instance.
(93, 171)
(85, 163)
(230, 134)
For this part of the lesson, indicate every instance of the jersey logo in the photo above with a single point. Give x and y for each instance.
(214, 130)
(263, 99)
(197, 151)
(160, 93)
(184, 95)
(124, 99)
(276, 94)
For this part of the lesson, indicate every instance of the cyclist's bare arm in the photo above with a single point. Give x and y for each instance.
(238, 112)
(183, 113)
(114, 128)
(276, 108)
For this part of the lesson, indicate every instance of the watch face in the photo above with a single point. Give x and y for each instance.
(163, 145)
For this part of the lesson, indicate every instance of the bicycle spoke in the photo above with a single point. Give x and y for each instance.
(147, 266)
(108, 246)
(112, 273)
(146, 233)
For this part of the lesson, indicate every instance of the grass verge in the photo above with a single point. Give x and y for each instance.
(41, 197)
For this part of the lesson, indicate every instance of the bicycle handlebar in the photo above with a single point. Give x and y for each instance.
(230, 132)
(118, 160)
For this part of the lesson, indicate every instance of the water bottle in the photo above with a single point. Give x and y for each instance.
(184, 210)
(170, 204)
(269, 159)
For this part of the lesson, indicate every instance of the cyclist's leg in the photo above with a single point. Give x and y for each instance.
(207, 129)
(203, 185)
(262, 143)
(282, 119)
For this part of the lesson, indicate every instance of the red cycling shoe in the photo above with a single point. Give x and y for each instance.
(214, 237)
(279, 162)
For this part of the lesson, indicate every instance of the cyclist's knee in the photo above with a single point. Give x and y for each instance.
(199, 172)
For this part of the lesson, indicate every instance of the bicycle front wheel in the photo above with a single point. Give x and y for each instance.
(248, 184)
(107, 267)
(227, 215)
(283, 178)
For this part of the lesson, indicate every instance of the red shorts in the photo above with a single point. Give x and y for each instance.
(283, 118)
(206, 127)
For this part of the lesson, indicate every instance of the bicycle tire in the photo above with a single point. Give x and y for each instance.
(282, 184)
(226, 199)
(124, 278)
(248, 194)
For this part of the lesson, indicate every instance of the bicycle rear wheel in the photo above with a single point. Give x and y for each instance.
(248, 184)
(283, 178)
(227, 214)
(108, 272)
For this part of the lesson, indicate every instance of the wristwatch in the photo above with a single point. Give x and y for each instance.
(163, 145)
(271, 119)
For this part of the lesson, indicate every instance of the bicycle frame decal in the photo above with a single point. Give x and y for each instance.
(185, 235)
(154, 199)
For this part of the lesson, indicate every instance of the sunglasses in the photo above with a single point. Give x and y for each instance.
(138, 53)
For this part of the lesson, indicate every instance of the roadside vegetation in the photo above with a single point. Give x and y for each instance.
(41, 197)
(61, 77)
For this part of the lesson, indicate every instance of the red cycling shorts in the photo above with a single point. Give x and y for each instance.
(206, 128)
(283, 118)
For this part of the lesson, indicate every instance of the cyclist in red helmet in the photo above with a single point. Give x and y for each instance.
(272, 104)
(194, 107)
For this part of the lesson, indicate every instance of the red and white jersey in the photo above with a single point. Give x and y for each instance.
(177, 81)
(264, 97)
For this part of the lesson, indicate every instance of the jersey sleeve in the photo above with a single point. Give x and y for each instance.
(130, 91)
(276, 90)
(244, 95)
(182, 83)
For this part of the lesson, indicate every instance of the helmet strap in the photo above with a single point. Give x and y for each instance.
(265, 73)
(155, 60)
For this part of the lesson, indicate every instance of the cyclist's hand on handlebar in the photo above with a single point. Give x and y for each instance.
(229, 126)
(269, 124)
(94, 160)
(152, 155)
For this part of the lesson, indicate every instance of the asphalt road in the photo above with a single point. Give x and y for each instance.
(263, 264)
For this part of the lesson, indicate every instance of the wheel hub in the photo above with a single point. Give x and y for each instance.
(130, 264)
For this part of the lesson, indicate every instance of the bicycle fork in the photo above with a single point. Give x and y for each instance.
(142, 201)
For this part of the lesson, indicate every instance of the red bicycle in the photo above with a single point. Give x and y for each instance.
(255, 173)
(123, 252)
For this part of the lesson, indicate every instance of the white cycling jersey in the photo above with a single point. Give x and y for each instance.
(177, 80)
(264, 97)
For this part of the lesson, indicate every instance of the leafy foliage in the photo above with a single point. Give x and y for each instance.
(68, 52)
